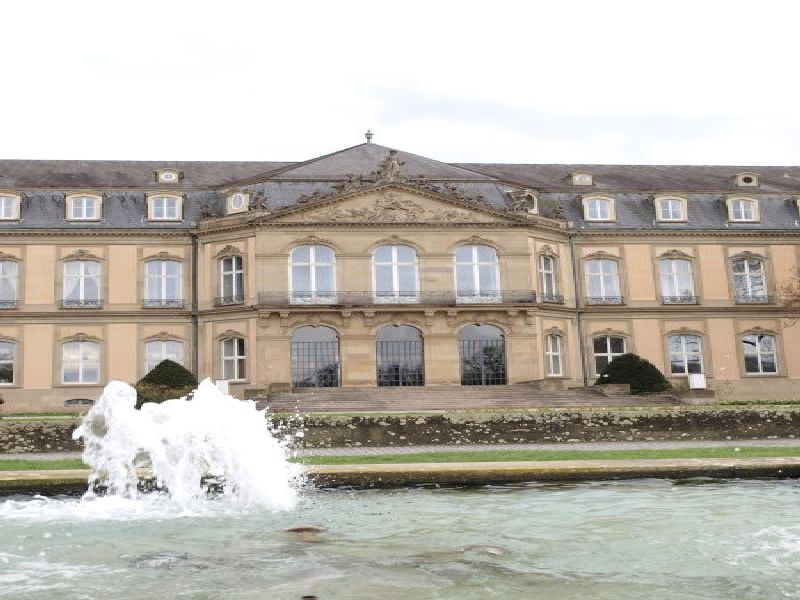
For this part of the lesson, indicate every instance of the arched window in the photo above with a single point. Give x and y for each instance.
(234, 358)
(553, 352)
(165, 208)
(677, 283)
(477, 274)
(313, 275)
(598, 209)
(483, 355)
(399, 353)
(162, 284)
(395, 272)
(742, 209)
(670, 209)
(80, 362)
(81, 284)
(547, 273)
(315, 357)
(749, 281)
(760, 354)
(8, 362)
(602, 281)
(156, 351)
(231, 274)
(606, 348)
(9, 283)
(685, 354)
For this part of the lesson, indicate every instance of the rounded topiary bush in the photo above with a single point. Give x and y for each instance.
(642, 375)
(165, 381)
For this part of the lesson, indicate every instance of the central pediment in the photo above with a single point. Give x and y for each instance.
(392, 204)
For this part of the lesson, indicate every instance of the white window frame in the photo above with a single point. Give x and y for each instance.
(554, 351)
(237, 358)
(592, 212)
(159, 280)
(665, 209)
(684, 354)
(13, 362)
(548, 275)
(475, 263)
(9, 207)
(163, 353)
(672, 277)
(759, 353)
(82, 362)
(78, 207)
(748, 276)
(395, 294)
(601, 276)
(236, 273)
(10, 278)
(609, 354)
(245, 198)
(82, 278)
(314, 294)
(165, 207)
(737, 212)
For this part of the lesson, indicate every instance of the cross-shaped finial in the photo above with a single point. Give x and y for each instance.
(369, 135)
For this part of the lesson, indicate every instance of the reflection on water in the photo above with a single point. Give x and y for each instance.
(637, 539)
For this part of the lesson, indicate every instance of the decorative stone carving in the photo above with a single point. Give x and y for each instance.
(162, 336)
(389, 169)
(81, 254)
(230, 333)
(547, 250)
(80, 337)
(674, 253)
(228, 251)
(391, 209)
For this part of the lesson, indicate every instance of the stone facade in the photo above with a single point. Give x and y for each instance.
(205, 268)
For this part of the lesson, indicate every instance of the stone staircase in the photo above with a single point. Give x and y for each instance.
(445, 398)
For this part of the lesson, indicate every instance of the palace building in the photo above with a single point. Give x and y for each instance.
(375, 267)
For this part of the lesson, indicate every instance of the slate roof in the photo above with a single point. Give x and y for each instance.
(280, 185)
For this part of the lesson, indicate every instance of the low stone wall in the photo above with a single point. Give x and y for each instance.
(330, 431)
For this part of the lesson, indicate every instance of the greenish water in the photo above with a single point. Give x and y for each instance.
(635, 539)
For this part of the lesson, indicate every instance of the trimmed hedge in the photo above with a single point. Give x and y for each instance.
(642, 375)
(165, 381)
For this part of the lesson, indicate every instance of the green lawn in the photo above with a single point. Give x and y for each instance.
(543, 455)
(471, 456)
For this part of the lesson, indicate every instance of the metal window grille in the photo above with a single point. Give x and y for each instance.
(315, 364)
(483, 362)
(400, 363)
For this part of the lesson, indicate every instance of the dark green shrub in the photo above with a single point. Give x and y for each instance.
(165, 381)
(642, 375)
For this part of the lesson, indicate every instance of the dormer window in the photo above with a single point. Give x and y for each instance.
(671, 209)
(9, 207)
(238, 202)
(747, 180)
(598, 209)
(581, 178)
(161, 207)
(743, 210)
(168, 176)
(84, 207)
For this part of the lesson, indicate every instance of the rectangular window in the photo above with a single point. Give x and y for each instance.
(760, 354)
(9, 208)
(554, 362)
(157, 351)
(8, 359)
(165, 208)
(81, 283)
(163, 280)
(685, 354)
(670, 209)
(80, 362)
(547, 271)
(233, 359)
(9, 283)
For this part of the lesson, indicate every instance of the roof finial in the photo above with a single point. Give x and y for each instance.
(369, 135)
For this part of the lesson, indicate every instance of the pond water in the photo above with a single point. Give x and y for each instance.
(635, 539)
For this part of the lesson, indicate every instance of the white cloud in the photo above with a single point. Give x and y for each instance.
(568, 81)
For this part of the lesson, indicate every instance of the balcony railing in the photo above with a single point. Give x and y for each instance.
(602, 300)
(82, 303)
(680, 300)
(754, 299)
(5, 304)
(551, 298)
(163, 303)
(228, 300)
(354, 298)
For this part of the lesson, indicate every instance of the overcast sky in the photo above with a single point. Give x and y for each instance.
(490, 81)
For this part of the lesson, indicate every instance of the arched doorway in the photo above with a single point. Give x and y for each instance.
(399, 356)
(315, 357)
(483, 355)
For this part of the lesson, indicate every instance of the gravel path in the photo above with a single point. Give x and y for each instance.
(662, 445)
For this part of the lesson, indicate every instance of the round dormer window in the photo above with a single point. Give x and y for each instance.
(237, 201)
(747, 179)
(168, 176)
